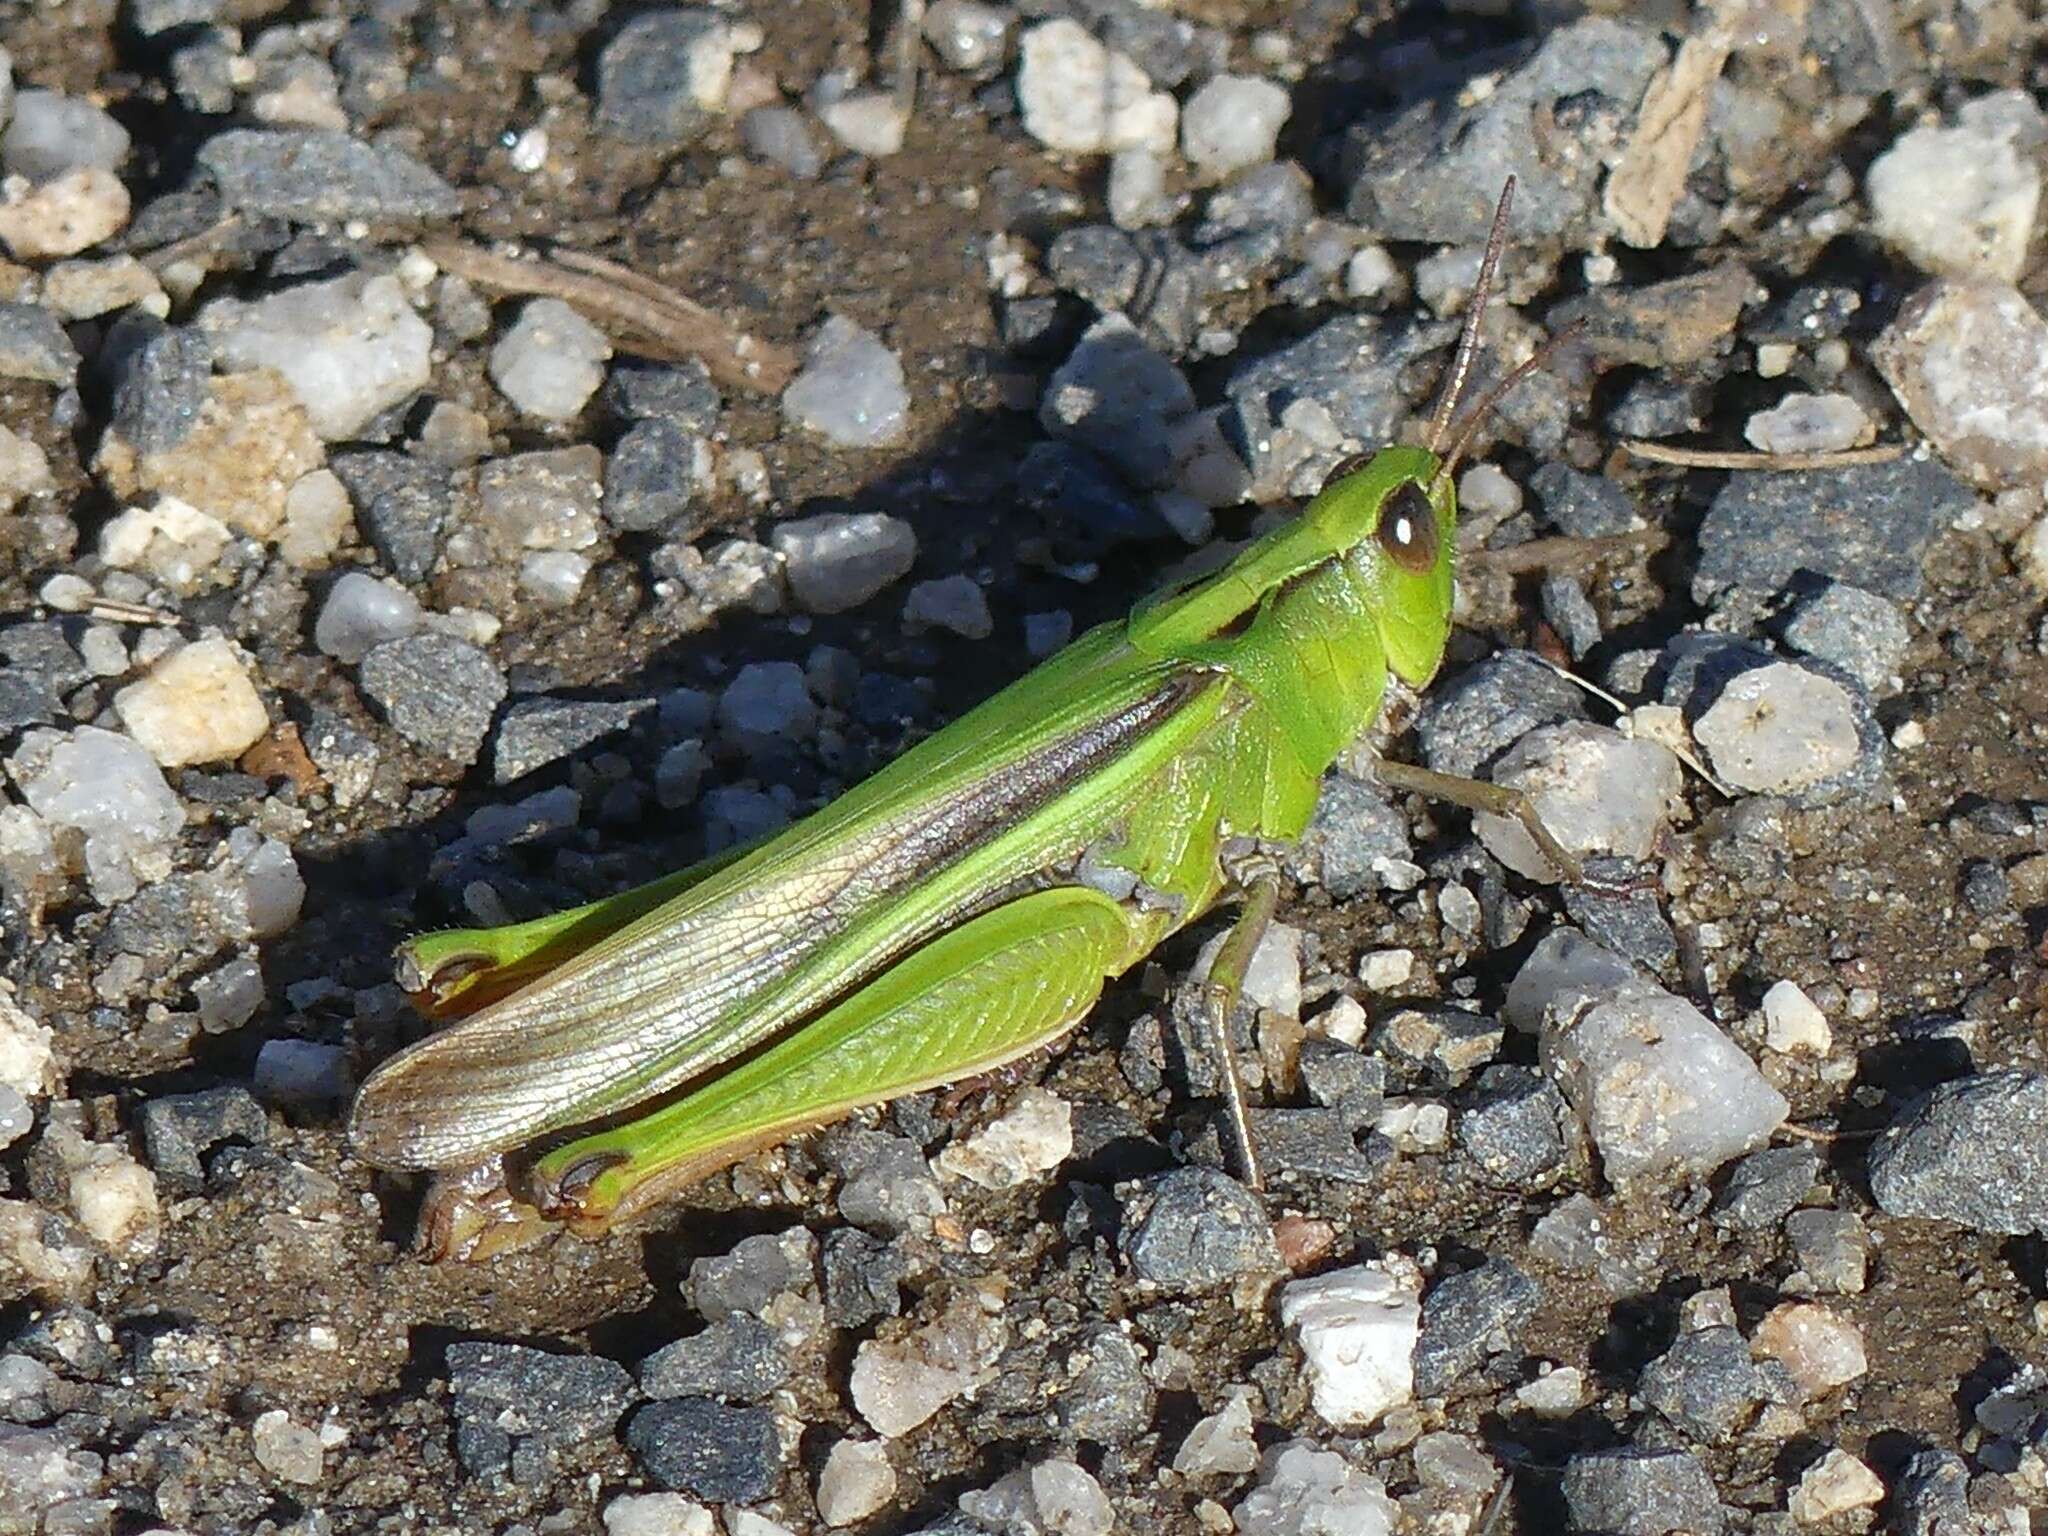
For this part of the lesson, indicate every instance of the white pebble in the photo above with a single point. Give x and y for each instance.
(173, 541)
(73, 213)
(1220, 1445)
(1779, 728)
(1081, 98)
(1232, 122)
(195, 706)
(361, 613)
(857, 1480)
(1035, 1136)
(1809, 424)
(553, 577)
(106, 786)
(1832, 1486)
(349, 347)
(551, 362)
(317, 520)
(851, 390)
(1958, 201)
(1383, 970)
(1370, 272)
(1358, 1328)
(870, 123)
(1821, 1348)
(658, 1514)
(289, 1452)
(1306, 1491)
(1792, 1021)
(1595, 791)
(27, 1061)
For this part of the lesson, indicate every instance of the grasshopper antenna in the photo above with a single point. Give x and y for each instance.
(1469, 423)
(1475, 317)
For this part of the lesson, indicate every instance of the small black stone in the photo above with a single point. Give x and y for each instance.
(1467, 1317)
(864, 1277)
(1766, 1185)
(736, 1357)
(1635, 1491)
(707, 1449)
(179, 1129)
(1110, 1400)
(556, 1400)
(1194, 1228)
(1514, 1133)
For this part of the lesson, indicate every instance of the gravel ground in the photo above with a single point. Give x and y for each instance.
(371, 561)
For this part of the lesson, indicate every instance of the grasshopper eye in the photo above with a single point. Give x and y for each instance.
(1350, 464)
(1407, 528)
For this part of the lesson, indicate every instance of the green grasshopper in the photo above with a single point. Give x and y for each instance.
(963, 907)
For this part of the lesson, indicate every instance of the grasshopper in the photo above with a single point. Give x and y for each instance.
(960, 909)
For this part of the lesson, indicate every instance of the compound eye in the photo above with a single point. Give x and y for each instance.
(1407, 530)
(1347, 466)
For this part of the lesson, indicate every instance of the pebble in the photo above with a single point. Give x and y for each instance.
(1809, 424)
(1663, 1092)
(1136, 192)
(968, 36)
(551, 361)
(24, 470)
(1863, 634)
(897, 1384)
(885, 1184)
(1969, 362)
(51, 133)
(1221, 1445)
(855, 1482)
(350, 347)
(1033, 1137)
(179, 1129)
(754, 1273)
(1052, 1496)
(1974, 1151)
(738, 1357)
(1358, 1329)
(654, 476)
(1870, 524)
(679, 393)
(35, 346)
(783, 136)
(838, 560)
(1832, 1249)
(302, 1073)
(1231, 122)
(1833, 1486)
(1471, 718)
(1583, 506)
(1781, 728)
(1961, 201)
(1386, 970)
(440, 693)
(870, 123)
(361, 613)
(1634, 1490)
(851, 390)
(318, 520)
(955, 604)
(1597, 791)
(711, 1450)
(1822, 1349)
(73, 213)
(288, 1451)
(1792, 1021)
(1194, 1229)
(538, 730)
(1081, 98)
(1556, 1394)
(107, 787)
(1514, 1132)
(197, 705)
(323, 177)
(1117, 395)
(658, 1514)
(1706, 1383)
(541, 501)
(767, 706)
(1468, 1317)
(1306, 1491)
(663, 78)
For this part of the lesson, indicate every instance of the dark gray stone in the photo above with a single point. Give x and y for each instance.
(645, 90)
(1974, 1151)
(1312, 1143)
(1109, 1399)
(863, 1277)
(1636, 1491)
(34, 346)
(885, 1183)
(753, 1273)
(1661, 405)
(1474, 716)
(1832, 1247)
(1931, 1497)
(1275, 198)
(708, 1449)
(319, 177)
(1194, 1229)
(1170, 49)
(181, 1128)
(1466, 1318)
(1869, 524)
(159, 376)
(1583, 506)
(679, 393)
(653, 477)
(1628, 921)
(1344, 1078)
(438, 692)
(539, 730)
(515, 1406)
(1514, 1133)
(736, 1357)
(401, 505)
(1705, 1383)
(1765, 1186)
(1355, 834)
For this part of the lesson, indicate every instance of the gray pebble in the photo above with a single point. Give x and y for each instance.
(34, 346)
(1474, 716)
(319, 177)
(1974, 1151)
(654, 77)
(555, 1401)
(1567, 610)
(737, 1357)
(838, 560)
(1583, 506)
(681, 393)
(1343, 1078)
(1439, 1046)
(1636, 1491)
(1194, 1229)
(756, 1271)
(1931, 1496)
(181, 1128)
(536, 731)
(863, 1277)
(1706, 1383)
(1863, 634)
(1109, 1400)
(440, 693)
(1514, 1132)
(653, 477)
(1468, 1317)
(783, 136)
(52, 133)
(401, 505)
(160, 376)
(1832, 1247)
(709, 1449)
(1356, 838)
(1766, 1185)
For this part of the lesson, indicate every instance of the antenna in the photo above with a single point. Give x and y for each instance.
(1475, 317)
(1469, 424)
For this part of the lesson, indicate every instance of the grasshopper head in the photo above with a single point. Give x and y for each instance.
(1396, 521)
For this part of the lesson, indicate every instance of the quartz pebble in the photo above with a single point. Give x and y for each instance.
(1033, 1137)
(551, 361)
(1793, 1023)
(1960, 201)
(1821, 1348)
(1358, 1330)
(1595, 790)
(361, 613)
(1833, 1486)
(898, 1384)
(107, 787)
(288, 1451)
(1780, 728)
(1809, 424)
(851, 390)
(1969, 362)
(349, 347)
(857, 1481)
(1220, 1445)
(1305, 1491)
(1053, 1496)
(1079, 97)
(195, 706)
(52, 133)
(837, 560)
(1232, 122)
(72, 213)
